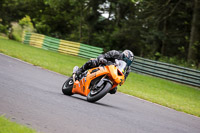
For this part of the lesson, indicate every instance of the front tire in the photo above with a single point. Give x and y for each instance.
(68, 86)
(99, 95)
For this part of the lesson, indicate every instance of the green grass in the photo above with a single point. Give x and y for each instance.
(47, 59)
(6, 126)
(170, 94)
(174, 95)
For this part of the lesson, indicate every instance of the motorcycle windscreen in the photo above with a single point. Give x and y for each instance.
(121, 66)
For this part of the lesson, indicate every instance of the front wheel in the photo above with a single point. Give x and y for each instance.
(68, 86)
(94, 96)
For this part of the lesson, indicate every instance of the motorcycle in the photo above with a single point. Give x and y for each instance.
(96, 82)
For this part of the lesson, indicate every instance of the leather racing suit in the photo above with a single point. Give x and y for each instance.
(108, 56)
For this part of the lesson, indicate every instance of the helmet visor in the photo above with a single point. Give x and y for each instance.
(128, 61)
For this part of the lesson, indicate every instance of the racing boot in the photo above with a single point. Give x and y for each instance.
(89, 64)
(113, 91)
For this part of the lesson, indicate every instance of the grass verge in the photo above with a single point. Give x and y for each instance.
(47, 59)
(167, 93)
(174, 95)
(6, 126)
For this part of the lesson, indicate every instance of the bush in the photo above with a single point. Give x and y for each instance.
(42, 28)
(24, 25)
(16, 32)
(26, 22)
(4, 29)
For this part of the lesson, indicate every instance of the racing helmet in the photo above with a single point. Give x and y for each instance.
(127, 56)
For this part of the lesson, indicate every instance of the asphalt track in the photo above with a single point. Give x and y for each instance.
(32, 96)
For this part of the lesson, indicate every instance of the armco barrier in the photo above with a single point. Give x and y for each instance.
(62, 46)
(166, 71)
(140, 65)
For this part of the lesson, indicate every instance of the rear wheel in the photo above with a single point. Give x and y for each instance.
(96, 94)
(68, 86)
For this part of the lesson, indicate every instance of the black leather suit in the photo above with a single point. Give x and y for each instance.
(109, 56)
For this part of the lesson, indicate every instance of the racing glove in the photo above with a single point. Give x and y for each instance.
(102, 61)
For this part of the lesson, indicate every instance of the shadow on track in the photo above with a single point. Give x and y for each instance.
(95, 103)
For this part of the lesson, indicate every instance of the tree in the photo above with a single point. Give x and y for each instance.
(195, 33)
(153, 29)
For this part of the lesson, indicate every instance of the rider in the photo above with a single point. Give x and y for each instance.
(126, 56)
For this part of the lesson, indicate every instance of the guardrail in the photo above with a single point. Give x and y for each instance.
(140, 65)
(62, 46)
(166, 71)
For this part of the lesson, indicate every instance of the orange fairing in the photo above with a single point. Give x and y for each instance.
(117, 76)
(82, 86)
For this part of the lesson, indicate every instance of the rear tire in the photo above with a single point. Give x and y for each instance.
(68, 86)
(102, 93)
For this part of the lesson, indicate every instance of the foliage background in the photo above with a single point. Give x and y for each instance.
(167, 31)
